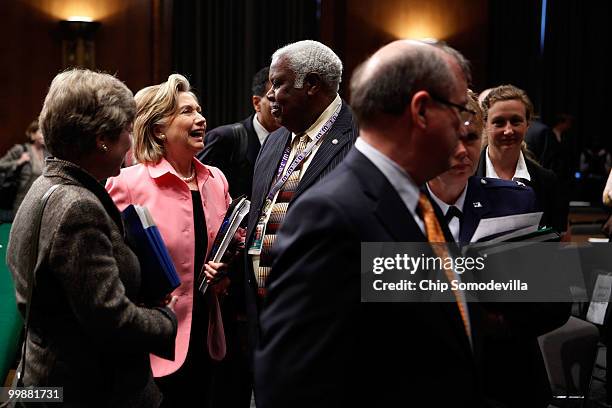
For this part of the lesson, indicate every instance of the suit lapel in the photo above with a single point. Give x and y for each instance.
(392, 213)
(333, 142)
(266, 169)
(388, 207)
(254, 145)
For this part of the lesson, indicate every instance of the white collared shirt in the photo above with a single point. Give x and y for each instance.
(312, 132)
(261, 131)
(400, 180)
(519, 172)
(455, 223)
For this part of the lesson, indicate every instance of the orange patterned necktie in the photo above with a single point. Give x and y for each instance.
(436, 237)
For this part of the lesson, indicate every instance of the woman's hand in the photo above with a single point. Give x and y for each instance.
(169, 301)
(172, 303)
(214, 271)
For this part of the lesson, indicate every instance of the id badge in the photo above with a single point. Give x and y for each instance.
(260, 230)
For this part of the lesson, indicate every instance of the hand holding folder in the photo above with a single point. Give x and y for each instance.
(228, 237)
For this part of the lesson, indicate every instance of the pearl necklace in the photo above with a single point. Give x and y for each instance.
(190, 178)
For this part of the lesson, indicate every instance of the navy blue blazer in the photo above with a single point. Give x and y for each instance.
(320, 345)
(490, 197)
(513, 365)
(332, 150)
(546, 186)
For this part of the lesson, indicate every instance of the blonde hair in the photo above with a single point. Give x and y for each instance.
(478, 121)
(507, 93)
(156, 105)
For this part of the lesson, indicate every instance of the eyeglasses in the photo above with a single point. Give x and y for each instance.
(466, 115)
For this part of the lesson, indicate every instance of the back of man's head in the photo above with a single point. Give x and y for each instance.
(260, 82)
(386, 82)
(308, 56)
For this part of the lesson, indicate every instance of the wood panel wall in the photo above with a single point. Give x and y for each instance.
(133, 42)
(357, 28)
(135, 38)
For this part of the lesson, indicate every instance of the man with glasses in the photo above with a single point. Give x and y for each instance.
(320, 345)
(466, 115)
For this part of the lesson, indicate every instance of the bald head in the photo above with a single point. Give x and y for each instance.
(386, 82)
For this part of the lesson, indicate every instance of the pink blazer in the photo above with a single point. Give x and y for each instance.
(159, 188)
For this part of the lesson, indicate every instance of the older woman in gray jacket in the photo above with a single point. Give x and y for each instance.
(88, 334)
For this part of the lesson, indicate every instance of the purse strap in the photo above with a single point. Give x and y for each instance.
(31, 269)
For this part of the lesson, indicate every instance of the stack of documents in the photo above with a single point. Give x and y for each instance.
(159, 277)
(234, 218)
(499, 229)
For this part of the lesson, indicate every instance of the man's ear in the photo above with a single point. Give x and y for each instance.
(255, 100)
(418, 108)
(313, 82)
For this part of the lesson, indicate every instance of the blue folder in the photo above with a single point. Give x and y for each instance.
(159, 276)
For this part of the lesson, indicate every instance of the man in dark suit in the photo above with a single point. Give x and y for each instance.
(234, 148)
(320, 347)
(304, 99)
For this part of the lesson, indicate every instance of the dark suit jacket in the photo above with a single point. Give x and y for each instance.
(514, 368)
(537, 139)
(222, 150)
(87, 334)
(546, 187)
(489, 197)
(320, 346)
(344, 131)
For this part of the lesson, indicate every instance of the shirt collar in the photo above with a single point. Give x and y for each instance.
(261, 131)
(444, 206)
(324, 117)
(400, 180)
(164, 167)
(519, 172)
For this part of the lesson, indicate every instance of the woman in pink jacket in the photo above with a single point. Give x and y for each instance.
(188, 201)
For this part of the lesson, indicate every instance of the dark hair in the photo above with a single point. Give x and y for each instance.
(391, 87)
(31, 129)
(260, 80)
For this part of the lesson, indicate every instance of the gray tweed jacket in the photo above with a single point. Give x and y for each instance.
(87, 334)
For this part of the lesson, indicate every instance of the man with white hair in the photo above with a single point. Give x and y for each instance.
(317, 131)
(321, 345)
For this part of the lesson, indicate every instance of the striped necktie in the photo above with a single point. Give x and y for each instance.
(436, 237)
(279, 210)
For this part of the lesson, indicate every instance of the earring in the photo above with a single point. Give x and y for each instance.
(104, 147)
(162, 137)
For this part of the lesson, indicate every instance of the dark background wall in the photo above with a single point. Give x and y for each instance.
(356, 28)
(220, 44)
(132, 41)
